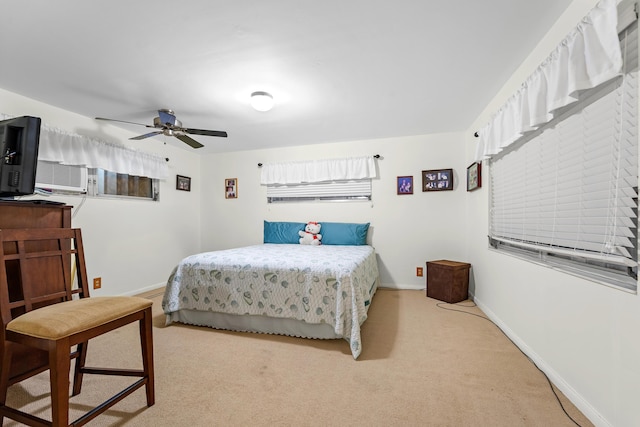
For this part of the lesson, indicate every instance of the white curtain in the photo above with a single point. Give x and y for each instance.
(318, 171)
(72, 149)
(588, 56)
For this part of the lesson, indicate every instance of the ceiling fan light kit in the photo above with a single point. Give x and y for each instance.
(261, 101)
(168, 125)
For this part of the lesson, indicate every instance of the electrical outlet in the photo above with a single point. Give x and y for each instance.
(419, 271)
(97, 282)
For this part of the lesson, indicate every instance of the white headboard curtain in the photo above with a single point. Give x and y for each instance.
(352, 168)
(588, 56)
(67, 148)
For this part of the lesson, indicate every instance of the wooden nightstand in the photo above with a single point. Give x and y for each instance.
(448, 280)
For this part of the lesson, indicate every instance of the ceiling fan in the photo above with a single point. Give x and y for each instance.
(168, 125)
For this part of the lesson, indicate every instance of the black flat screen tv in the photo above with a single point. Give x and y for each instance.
(19, 142)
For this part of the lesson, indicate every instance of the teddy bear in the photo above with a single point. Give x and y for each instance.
(311, 234)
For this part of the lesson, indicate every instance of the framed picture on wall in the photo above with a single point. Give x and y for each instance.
(183, 183)
(404, 185)
(231, 188)
(437, 180)
(474, 176)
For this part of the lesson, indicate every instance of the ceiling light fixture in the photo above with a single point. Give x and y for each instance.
(261, 101)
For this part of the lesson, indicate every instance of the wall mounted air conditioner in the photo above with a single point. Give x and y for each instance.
(55, 176)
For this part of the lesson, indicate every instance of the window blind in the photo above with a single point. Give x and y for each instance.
(568, 194)
(322, 191)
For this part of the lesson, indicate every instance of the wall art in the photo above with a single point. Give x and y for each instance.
(404, 185)
(474, 176)
(183, 183)
(231, 188)
(437, 180)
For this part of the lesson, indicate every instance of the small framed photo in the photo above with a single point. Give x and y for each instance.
(231, 188)
(183, 183)
(474, 176)
(404, 185)
(437, 180)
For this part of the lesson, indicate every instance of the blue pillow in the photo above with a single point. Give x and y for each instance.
(282, 232)
(344, 233)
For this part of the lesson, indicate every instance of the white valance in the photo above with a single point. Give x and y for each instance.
(588, 56)
(67, 148)
(318, 171)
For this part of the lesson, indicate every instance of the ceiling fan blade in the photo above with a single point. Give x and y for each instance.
(147, 135)
(167, 122)
(188, 140)
(123, 121)
(205, 132)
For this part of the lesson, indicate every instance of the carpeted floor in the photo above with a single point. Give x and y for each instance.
(421, 365)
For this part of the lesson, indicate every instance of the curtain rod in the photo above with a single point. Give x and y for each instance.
(376, 156)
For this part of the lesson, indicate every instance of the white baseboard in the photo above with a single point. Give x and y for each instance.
(401, 286)
(145, 289)
(582, 404)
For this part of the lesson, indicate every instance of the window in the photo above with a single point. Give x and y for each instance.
(70, 163)
(567, 194)
(106, 183)
(343, 179)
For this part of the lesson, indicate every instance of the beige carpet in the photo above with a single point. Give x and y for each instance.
(420, 365)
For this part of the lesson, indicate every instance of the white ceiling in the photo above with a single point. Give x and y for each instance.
(338, 70)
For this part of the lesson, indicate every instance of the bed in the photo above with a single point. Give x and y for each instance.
(279, 287)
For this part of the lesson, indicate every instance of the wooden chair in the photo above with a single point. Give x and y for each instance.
(47, 320)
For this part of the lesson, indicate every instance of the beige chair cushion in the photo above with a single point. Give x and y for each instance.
(67, 318)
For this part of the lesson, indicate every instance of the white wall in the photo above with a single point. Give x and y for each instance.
(406, 230)
(582, 334)
(131, 244)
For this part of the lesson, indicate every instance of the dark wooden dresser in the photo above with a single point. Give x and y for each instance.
(18, 214)
(448, 280)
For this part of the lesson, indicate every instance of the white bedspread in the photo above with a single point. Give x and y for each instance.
(315, 284)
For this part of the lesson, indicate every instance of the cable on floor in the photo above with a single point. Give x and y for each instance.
(442, 306)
